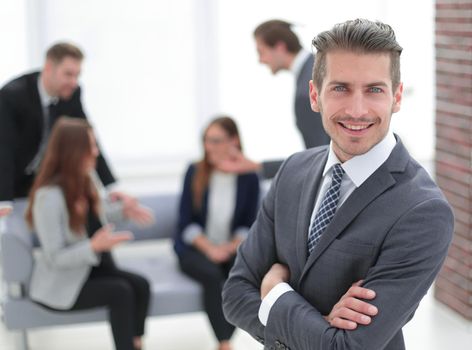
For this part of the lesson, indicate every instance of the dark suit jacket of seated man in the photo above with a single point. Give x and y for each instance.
(391, 229)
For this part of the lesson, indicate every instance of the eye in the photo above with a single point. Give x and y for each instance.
(339, 88)
(375, 90)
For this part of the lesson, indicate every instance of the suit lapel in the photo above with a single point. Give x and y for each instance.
(36, 108)
(305, 207)
(375, 185)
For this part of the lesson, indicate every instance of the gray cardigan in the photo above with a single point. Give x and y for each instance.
(65, 257)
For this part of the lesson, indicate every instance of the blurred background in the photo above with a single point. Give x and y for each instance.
(156, 71)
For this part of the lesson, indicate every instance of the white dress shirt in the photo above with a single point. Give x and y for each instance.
(357, 170)
(222, 197)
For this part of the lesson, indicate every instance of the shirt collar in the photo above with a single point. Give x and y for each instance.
(299, 61)
(45, 98)
(360, 167)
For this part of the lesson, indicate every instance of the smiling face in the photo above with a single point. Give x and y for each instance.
(218, 144)
(356, 101)
(61, 78)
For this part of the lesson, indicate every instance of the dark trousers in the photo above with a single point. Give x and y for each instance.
(211, 276)
(125, 294)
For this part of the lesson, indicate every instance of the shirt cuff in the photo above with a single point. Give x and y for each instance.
(6, 205)
(241, 232)
(191, 232)
(270, 299)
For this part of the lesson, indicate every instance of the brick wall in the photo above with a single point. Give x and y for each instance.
(454, 145)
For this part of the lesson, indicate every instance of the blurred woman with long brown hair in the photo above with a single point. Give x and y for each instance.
(216, 212)
(75, 269)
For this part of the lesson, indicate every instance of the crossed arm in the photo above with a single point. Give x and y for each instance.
(349, 312)
(403, 272)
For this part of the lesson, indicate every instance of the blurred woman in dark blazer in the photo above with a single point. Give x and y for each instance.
(216, 212)
(74, 269)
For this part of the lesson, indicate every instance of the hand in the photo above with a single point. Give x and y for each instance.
(278, 273)
(217, 253)
(121, 196)
(139, 214)
(132, 210)
(350, 311)
(105, 239)
(238, 163)
(232, 247)
(5, 211)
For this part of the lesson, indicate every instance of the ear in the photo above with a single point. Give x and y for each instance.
(397, 96)
(234, 141)
(280, 46)
(314, 97)
(49, 66)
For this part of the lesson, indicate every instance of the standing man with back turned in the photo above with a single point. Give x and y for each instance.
(350, 237)
(279, 48)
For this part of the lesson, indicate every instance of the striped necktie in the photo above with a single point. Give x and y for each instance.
(327, 208)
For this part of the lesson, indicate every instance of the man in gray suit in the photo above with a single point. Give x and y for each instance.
(350, 237)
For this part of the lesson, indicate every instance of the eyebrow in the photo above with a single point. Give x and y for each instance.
(375, 83)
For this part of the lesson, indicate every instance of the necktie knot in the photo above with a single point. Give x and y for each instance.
(338, 173)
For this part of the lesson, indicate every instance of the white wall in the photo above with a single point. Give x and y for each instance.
(156, 71)
(13, 38)
(259, 99)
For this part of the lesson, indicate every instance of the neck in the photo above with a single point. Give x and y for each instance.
(46, 85)
(290, 59)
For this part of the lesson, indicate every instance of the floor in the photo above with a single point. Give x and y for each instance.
(434, 327)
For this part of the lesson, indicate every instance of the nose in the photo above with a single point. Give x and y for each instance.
(357, 106)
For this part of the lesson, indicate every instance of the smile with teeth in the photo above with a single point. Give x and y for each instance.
(356, 127)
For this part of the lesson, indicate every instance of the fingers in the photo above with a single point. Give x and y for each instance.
(121, 236)
(143, 216)
(360, 292)
(359, 306)
(104, 239)
(218, 254)
(5, 211)
(351, 310)
(346, 318)
(342, 323)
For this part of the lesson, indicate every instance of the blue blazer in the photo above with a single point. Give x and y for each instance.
(247, 200)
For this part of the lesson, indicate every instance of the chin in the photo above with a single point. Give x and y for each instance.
(65, 95)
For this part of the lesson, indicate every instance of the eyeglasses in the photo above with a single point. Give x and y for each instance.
(215, 140)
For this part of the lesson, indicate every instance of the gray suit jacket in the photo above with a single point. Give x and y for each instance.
(393, 232)
(65, 258)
